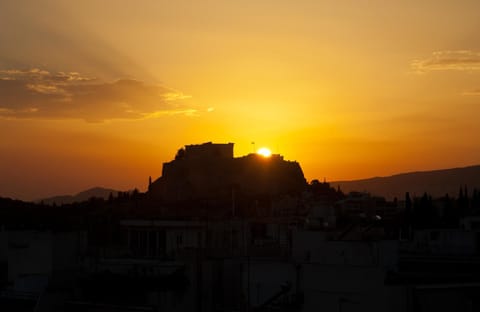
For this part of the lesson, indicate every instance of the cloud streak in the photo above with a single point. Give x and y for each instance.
(460, 60)
(37, 93)
(475, 92)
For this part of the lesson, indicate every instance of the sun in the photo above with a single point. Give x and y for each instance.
(265, 152)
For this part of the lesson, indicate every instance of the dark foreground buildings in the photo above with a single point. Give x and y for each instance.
(218, 233)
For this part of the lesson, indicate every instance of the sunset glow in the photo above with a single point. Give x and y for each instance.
(265, 152)
(102, 93)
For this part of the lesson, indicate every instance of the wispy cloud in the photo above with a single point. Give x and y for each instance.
(175, 96)
(460, 60)
(37, 93)
(474, 92)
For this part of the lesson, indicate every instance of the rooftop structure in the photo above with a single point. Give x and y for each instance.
(209, 150)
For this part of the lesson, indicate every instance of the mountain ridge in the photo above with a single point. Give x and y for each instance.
(97, 191)
(436, 182)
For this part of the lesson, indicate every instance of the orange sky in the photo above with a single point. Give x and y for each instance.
(101, 93)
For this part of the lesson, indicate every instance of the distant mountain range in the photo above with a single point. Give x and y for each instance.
(98, 192)
(436, 183)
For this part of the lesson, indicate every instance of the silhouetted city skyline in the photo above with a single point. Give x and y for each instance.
(239, 156)
(224, 233)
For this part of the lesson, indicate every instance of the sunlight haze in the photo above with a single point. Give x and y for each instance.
(101, 93)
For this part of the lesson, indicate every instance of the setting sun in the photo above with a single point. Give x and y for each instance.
(265, 152)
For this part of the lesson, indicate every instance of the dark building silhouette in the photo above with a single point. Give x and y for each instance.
(219, 233)
(210, 172)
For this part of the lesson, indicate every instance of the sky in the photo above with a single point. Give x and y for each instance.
(102, 93)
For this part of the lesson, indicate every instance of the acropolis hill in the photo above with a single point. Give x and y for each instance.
(209, 171)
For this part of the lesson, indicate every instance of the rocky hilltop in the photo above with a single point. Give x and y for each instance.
(210, 171)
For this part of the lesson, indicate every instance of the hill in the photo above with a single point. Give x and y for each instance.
(209, 171)
(436, 182)
(98, 192)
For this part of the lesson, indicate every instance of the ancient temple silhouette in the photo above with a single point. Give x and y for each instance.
(210, 171)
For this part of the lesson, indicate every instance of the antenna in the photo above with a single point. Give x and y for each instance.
(253, 147)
